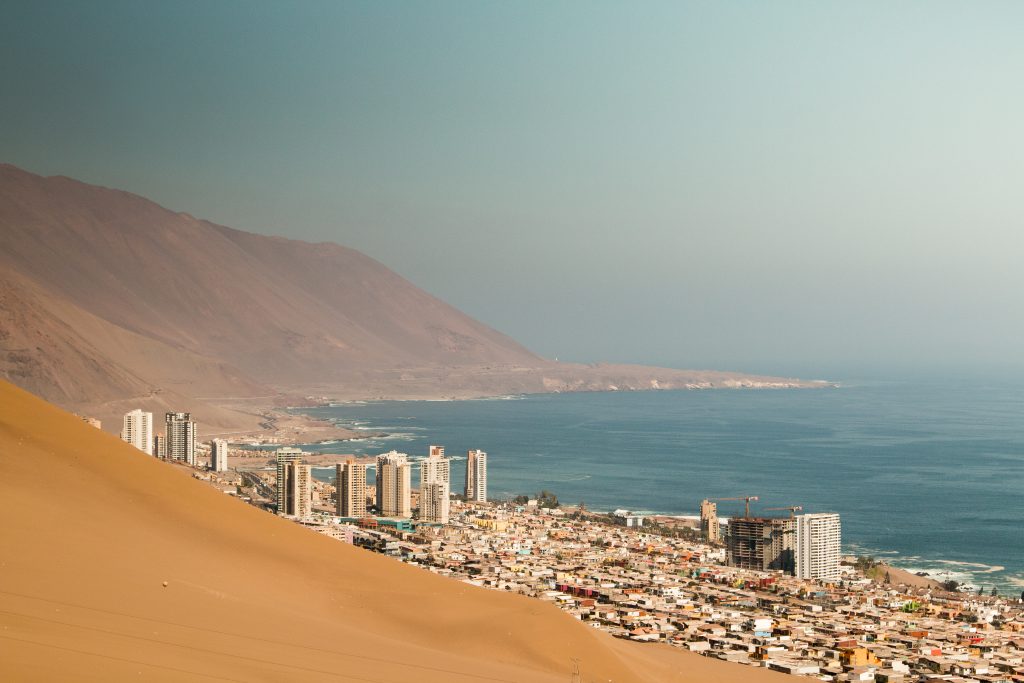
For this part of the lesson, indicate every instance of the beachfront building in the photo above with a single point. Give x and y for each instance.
(180, 431)
(285, 457)
(137, 429)
(394, 485)
(435, 487)
(818, 541)
(710, 529)
(761, 543)
(351, 489)
(160, 446)
(476, 476)
(219, 455)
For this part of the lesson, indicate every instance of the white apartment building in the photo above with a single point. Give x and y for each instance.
(435, 487)
(351, 489)
(137, 429)
(219, 455)
(181, 437)
(476, 476)
(394, 485)
(818, 546)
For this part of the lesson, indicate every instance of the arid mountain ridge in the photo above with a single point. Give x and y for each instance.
(109, 301)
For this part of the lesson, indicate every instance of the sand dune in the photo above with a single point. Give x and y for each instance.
(93, 530)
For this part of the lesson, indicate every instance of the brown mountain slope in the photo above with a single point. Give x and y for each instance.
(280, 310)
(109, 301)
(94, 529)
(52, 347)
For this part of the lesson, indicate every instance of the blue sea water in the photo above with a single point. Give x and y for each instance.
(927, 475)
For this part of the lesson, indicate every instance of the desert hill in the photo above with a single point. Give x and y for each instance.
(95, 529)
(280, 311)
(108, 301)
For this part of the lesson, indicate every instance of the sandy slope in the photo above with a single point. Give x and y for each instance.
(93, 529)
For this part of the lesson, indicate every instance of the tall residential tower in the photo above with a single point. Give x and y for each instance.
(219, 455)
(286, 457)
(435, 487)
(476, 476)
(394, 485)
(710, 529)
(181, 437)
(818, 545)
(298, 489)
(137, 430)
(351, 489)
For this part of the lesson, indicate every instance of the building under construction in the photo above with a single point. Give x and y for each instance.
(761, 543)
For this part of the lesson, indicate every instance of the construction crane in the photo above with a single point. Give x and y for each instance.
(793, 509)
(746, 500)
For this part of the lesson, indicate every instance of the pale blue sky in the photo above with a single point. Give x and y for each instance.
(816, 188)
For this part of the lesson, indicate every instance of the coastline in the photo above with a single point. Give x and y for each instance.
(541, 460)
(279, 422)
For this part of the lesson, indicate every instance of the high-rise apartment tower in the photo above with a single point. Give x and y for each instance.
(818, 546)
(219, 455)
(476, 476)
(394, 485)
(137, 430)
(710, 529)
(435, 487)
(181, 437)
(285, 457)
(298, 489)
(351, 489)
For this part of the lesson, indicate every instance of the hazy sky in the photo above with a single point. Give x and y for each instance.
(816, 188)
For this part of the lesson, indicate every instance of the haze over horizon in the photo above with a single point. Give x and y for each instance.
(795, 188)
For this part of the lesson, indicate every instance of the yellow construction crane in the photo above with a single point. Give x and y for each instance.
(793, 509)
(746, 500)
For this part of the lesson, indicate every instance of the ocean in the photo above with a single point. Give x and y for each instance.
(927, 475)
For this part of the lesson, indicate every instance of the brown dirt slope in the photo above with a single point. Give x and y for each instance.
(94, 529)
(282, 311)
(55, 349)
(109, 301)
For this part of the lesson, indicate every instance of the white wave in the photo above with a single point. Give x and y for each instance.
(984, 568)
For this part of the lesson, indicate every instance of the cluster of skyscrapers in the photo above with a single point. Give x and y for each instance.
(807, 546)
(393, 485)
(177, 443)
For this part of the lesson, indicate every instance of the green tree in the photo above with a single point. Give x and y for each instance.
(547, 499)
